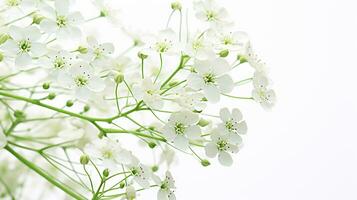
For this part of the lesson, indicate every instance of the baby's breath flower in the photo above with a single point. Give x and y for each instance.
(181, 128)
(212, 78)
(24, 45)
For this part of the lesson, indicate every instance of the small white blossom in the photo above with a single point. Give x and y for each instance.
(167, 156)
(98, 53)
(130, 193)
(167, 186)
(233, 123)
(140, 173)
(261, 93)
(252, 58)
(211, 77)
(82, 79)
(57, 62)
(165, 42)
(108, 152)
(189, 99)
(227, 40)
(149, 92)
(24, 45)
(181, 128)
(107, 10)
(208, 11)
(222, 144)
(199, 47)
(62, 22)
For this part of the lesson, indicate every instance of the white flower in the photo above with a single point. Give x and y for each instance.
(227, 40)
(98, 54)
(200, 47)
(57, 62)
(120, 64)
(261, 93)
(149, 92)
(140, 173)
(165, 42)
(108, 152)
(82, 79)
(135, 35)
(232, 123)
(130, 193)
(167, 186)
(211, 77)
(62, 22)
(24, 45)
(189, 99)
(3, 140)
(252, 58)
(209, 11)
(107, 10)
(167, 156)
(181, 128)
(222, 144)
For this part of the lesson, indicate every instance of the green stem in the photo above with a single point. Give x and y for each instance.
(235, 97)
(184, 59)
(45, 175)
(161, 63)
(110, 130)
(142, 68)
(38, 103)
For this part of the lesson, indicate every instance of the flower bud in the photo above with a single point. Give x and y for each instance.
(3, 38)
(106, 173)
(36, 19)
(142, 55)
(82, 50)
(152, 145)
(176, 6)
(86, 108)
(122, 184)
(84, 159)
(119, 78)
(1, 57)
(103, 13)
(224, 53)
(51, 96)
(205, 163)
(155, 168)
(69, 103)
(241, 59)
(173, 83)
(46, 86)
(101, 135)
(19, 114)
(203, 122)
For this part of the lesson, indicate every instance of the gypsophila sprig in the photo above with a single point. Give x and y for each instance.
(97, 119)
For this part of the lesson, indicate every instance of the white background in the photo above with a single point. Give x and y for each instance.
(306, 147)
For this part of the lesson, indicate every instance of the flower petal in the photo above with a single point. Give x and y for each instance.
(211, 93)
(96, 84)
(211, 150)
(193, 132)
(181, 142)
(38, 49)
(225, 83)
(23, 60)
(225, 114)
(225, 158)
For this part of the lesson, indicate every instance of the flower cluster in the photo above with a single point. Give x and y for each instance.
(71, 102)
